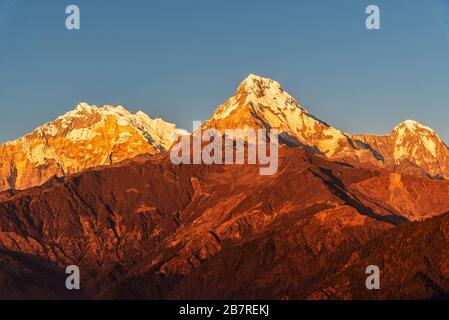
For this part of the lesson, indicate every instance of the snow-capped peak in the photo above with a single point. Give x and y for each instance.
(156, 131)
(261, 95)
(254, 79)
(410, 136)
(262, 102)
(411, 125)
(254, 84)
(84, 107)
(87, 136)
(84, 122)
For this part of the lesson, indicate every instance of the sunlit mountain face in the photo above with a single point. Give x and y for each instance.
(91, 136)
(97, 188)
(83, 138)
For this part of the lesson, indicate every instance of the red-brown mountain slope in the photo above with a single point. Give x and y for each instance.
(147, 228)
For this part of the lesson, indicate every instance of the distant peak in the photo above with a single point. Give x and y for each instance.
(84, 106)
(255, 77)
(141, 113)
(256, 83)
(412, 125)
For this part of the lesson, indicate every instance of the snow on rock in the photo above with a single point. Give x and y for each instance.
(262, 102)
(81, 134)
(85, 137)
(425, 136)
(412, 148)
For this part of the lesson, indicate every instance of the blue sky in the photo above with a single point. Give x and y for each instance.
(180, 59)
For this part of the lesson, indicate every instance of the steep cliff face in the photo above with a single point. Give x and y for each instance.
(416, 198)
(263, 103)
(411, 148)
(146, 228)
(259, 102)
(413, 259)
(83, 138)
(91, 136)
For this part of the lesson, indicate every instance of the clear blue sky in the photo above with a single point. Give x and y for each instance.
(180, 59)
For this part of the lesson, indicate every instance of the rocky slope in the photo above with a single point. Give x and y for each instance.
(262, 103)
(411, 148)
(91, 136)
(149, 229)
(142, 227)
(86, 137)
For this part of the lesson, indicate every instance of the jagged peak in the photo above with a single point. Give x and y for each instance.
(84, 106)
(257, 84)
(255, 91)
(411, 125)
(139, 120)
(84, 109)
(254, 77)
(88, 116)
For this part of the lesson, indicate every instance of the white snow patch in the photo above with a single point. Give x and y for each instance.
(123, 137)
(81, 134)
(227, 111)
(51, 130)
(430, 145)
(412, 125)
(123, 122)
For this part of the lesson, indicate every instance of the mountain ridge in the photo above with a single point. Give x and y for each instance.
(85, 137)
(145, 228)
(149, 229)
(263, 103)
(89, 136)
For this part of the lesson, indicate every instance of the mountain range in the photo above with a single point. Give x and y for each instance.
(96, 188)
(83, 138)
(90, 136)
